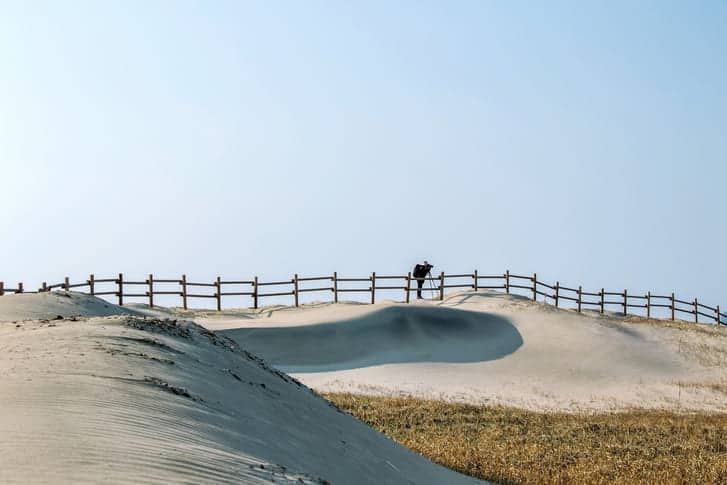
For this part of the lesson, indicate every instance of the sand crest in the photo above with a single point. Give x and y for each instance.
(130, 399)
(490, 348)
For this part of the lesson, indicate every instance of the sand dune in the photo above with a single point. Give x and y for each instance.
(130, 399)
(389, 335)
(130, 395)
(56, 304)
(486, 347)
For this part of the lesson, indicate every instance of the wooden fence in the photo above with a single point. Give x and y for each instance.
(555, 294)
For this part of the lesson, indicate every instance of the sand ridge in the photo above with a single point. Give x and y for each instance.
(134, 399)
(559, 360)
(56, 304)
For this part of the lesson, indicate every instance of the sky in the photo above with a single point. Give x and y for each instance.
(584, 141)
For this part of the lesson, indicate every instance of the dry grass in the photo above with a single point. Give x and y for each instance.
(506, 445)
(701, 327)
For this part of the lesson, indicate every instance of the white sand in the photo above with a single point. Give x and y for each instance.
(57, 304)
(491, 348)
(124, 399)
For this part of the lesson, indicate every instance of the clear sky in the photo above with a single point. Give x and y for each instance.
(582, 140)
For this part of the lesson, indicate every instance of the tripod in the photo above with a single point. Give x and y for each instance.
(431, 283)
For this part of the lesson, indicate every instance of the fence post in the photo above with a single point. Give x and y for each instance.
(718, 321)
(254, 293)
(218, 283)
(408, 285)
(507, 281)
(557, 293)
(373, 287)
(184, 291)
(602, 299)
(295, 288)
(476, 281)
(66, 284)
(648, 305)
(580, 298)
(626, 302)
(441, 286)
(2, 288)
(43, 288)
(91, 284)
(535, 286)
(672, 305)
(150, 282)
(696, 311)
(20, 287)
(120, 282)
(335, 287)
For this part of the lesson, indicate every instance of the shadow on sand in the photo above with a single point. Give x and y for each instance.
(393, 335)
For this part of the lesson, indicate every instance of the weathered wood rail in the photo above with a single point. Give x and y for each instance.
(555, 294)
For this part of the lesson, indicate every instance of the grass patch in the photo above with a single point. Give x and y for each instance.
(510, 446)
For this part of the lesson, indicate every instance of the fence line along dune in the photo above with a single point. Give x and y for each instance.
(559, 295)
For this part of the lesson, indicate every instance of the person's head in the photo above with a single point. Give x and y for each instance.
(426, 262)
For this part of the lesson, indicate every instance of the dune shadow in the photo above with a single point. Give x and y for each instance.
(392, 335)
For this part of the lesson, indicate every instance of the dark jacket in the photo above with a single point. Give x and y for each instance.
(421, 270)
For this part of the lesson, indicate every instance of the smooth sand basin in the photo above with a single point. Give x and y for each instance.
(487, 347)
(129, 399)
(389, 335)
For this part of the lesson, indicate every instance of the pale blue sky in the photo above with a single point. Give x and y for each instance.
(582, 140)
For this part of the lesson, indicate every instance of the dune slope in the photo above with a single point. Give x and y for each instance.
(56, 304)
(490, 348)
(129, 399)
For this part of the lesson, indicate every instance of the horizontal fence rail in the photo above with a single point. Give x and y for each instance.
(432, 285)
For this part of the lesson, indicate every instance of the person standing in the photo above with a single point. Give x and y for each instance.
(420, 272)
